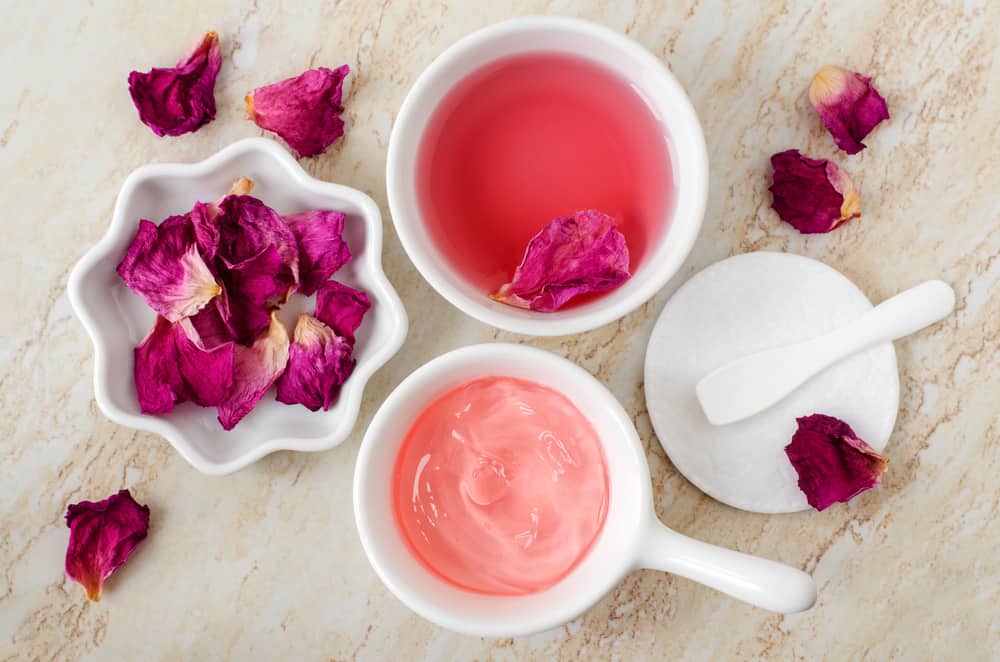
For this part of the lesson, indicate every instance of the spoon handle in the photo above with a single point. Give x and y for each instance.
(753, 383)
(898, 316)
(760, 582)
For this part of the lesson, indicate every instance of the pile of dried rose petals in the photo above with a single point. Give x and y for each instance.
(102, 535)
(832, 463)
(216, 277)
(571, 255)
(303, 110)
(815, 195)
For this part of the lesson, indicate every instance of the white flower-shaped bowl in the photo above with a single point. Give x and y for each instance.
(117, 320)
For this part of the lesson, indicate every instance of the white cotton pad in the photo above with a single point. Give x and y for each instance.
(742, 305)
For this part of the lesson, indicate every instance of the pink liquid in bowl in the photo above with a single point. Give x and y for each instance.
(531, 137)
(500, 486)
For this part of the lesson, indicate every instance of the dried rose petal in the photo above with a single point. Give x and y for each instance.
(813, 195)
(210, 326)
(832, 463)
(848, 105)
(341, 308)
(304, 110)
(205, 220)
(255, 369)
(180, 99)
(164, 267)
(248, 286)
(173, 365)
(102, 535)
(571, 255)
(319, 362)
(247, 226)
(322, 249)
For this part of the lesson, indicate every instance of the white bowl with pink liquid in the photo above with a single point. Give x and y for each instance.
(668, 231)
(631, 537)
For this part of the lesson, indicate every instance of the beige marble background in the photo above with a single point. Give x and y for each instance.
(265, 564)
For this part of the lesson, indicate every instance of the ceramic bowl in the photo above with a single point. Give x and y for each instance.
(631, 61)
(117, 319)
(632, 536)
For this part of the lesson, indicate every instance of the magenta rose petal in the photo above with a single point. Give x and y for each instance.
(173, 365)
(341, 308)
(158, 382)
(176, 100)
(319, 362)
(255, 369)
(249, 285)
(572, 255)
(102, 535)
(304, 111)
(849, 106)
(832, 463)
(207, 372)
(164, 267)
(247, 226)
(322, 249)
(812, 195)
(211, 327)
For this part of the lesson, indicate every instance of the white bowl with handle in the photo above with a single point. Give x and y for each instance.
(632, 536)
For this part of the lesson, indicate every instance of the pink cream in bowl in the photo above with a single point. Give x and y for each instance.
(500, 486)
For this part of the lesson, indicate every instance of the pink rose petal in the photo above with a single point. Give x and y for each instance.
(813, 195)
(322, 249)
(833, 464)
(341, 308)
(173, 365)
(304, 110)
(164, 267)
(102, 536)
(248, 286)
(849, 106)
(173, 101)
(571, 255)
(255, 369)
(247, 226)
(319, 362)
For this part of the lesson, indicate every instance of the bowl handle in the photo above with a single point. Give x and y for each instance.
(760, 582)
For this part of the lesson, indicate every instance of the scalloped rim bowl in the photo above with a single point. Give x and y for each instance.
(117, 320)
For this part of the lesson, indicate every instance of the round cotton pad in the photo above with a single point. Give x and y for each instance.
(742, 305)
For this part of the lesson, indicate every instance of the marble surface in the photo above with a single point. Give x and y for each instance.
(266, 563)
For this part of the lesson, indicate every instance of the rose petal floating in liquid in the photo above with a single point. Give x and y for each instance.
(833, 464)
(102, 535)
(255, 369)
(572, 255)
(164, 267)
(341, 308)
(813, 195)
(322, 249)
(319, 362)
(173, 101)
(848, 105)
(304, 110)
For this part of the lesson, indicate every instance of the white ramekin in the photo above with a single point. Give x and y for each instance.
(650, 77)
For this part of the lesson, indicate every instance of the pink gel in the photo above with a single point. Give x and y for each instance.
(500, 486)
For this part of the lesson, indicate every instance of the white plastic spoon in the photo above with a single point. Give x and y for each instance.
(751, 384)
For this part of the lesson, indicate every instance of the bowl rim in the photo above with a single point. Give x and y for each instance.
(354, 389)
(610, 307)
